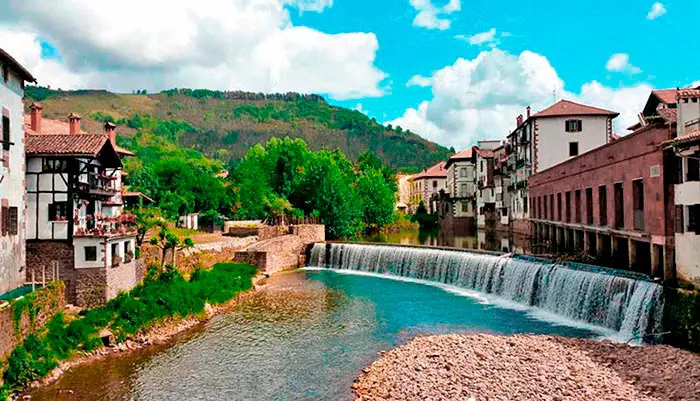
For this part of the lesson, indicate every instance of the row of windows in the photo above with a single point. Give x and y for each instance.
(568, 206)
(91, 251)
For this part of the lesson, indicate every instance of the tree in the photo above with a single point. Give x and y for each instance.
(146, 219)
(165, 240)
(377, 199)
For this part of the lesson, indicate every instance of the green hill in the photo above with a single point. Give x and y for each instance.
(224, 125)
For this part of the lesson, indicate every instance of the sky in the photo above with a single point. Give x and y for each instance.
(453, 71)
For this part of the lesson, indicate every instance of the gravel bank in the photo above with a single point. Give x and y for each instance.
(483, 367)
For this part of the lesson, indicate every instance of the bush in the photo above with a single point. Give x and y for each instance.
(162, 295)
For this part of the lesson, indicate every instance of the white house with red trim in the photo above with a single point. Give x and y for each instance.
(547, 138)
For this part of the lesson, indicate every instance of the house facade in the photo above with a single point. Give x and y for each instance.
(545, 139)
(76, 229)
(403, 194)
(12, 186)
(686, 147)
(428, 184)
(461, 186)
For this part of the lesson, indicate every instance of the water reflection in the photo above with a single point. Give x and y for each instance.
(488, 240)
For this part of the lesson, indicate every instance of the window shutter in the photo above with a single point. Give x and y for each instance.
(5, 219)
(580, 125)
(679, 219)
(13, 221)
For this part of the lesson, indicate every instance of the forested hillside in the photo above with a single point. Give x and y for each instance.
(224, 125)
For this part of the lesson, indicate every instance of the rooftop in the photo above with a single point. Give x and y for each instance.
(691, 136)
(64, 144)
(436, 171)
(23, 72)
(569, 108)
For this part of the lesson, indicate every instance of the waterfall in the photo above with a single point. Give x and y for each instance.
(633, 307)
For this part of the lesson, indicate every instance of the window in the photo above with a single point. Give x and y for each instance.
(465, 206)
(694, 219)
(619, 199)
(693, 172)
(525, 206)
(6, 133)
(12, 220)
(589, 206)
(58, 211)
(568, 207)
(463, 190)
(573, 125)
(482, 165)
(4, 220)
(116, 259)
(638, 204)
(90, 253)
(573, 149)
(127, 247)
(50, 165)
(434, 184)
(559, 206)
(463, 172)
(680, 223)
(603, 205)
(546, 209)
(577, 202)
(551, 206)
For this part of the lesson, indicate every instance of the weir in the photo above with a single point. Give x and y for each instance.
(633, 307)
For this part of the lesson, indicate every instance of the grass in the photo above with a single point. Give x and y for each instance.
(162, 295)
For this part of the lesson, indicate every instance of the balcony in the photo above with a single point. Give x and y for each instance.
(105, 226)
(98, 185)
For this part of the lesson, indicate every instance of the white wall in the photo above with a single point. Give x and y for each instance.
(104, 254)
(687, 112)
(687, 260)
(687, 193)
(553, 140)
(12, 191)
(44, 182)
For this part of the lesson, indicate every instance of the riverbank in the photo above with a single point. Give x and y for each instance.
(154, 312)
(529, 367)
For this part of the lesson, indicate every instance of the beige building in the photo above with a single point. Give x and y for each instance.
(461, 183)
(403, 193)
(428, 184)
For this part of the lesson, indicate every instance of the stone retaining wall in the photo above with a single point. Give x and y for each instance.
(49, 300)
(273, 255)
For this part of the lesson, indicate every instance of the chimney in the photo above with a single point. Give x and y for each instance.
(35, 124)
(111, 131)
(519, 120)
(74, 121)
(528, 111)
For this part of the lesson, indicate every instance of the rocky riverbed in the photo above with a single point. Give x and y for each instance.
(483, 367)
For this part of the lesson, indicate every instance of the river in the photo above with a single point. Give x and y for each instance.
(305, 336)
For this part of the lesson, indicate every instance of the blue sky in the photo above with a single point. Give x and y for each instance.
(453, 71)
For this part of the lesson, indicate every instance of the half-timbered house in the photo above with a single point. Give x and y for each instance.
(76, 227)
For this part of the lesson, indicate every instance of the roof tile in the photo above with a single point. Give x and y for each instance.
(78, 144)
(436, 171)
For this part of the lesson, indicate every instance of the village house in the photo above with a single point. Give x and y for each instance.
(76, 229)
(486, 183)
(403, 194)
(12, 187)
(545, 139)
(460, 206)
(428, 184)
(686, 147)
(614, 203)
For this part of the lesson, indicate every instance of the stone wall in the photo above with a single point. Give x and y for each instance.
(48, 301)
(273, 255)
(268, 232)
(41, 259)
(309, 233)
(123, 278)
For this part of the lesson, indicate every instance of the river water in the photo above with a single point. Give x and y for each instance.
(304, 336)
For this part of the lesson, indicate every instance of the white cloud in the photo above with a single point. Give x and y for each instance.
(487, 38)
(657, 10)
(620, 62)
(219, 44)
(433, 17)
(419, 80)
(481, 98)
(695, 84)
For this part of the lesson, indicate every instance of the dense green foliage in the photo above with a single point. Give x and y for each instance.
(224, 125)
(163, 294)
(424, 219)
(285, 177)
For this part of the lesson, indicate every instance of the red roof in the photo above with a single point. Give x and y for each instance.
(667, 96)
(484, 153)
(569, 108)
(689, 93)
(58, 127)
(465, 154)
(691, 136)
(436, 171)
(69, 145)
(136, 194)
